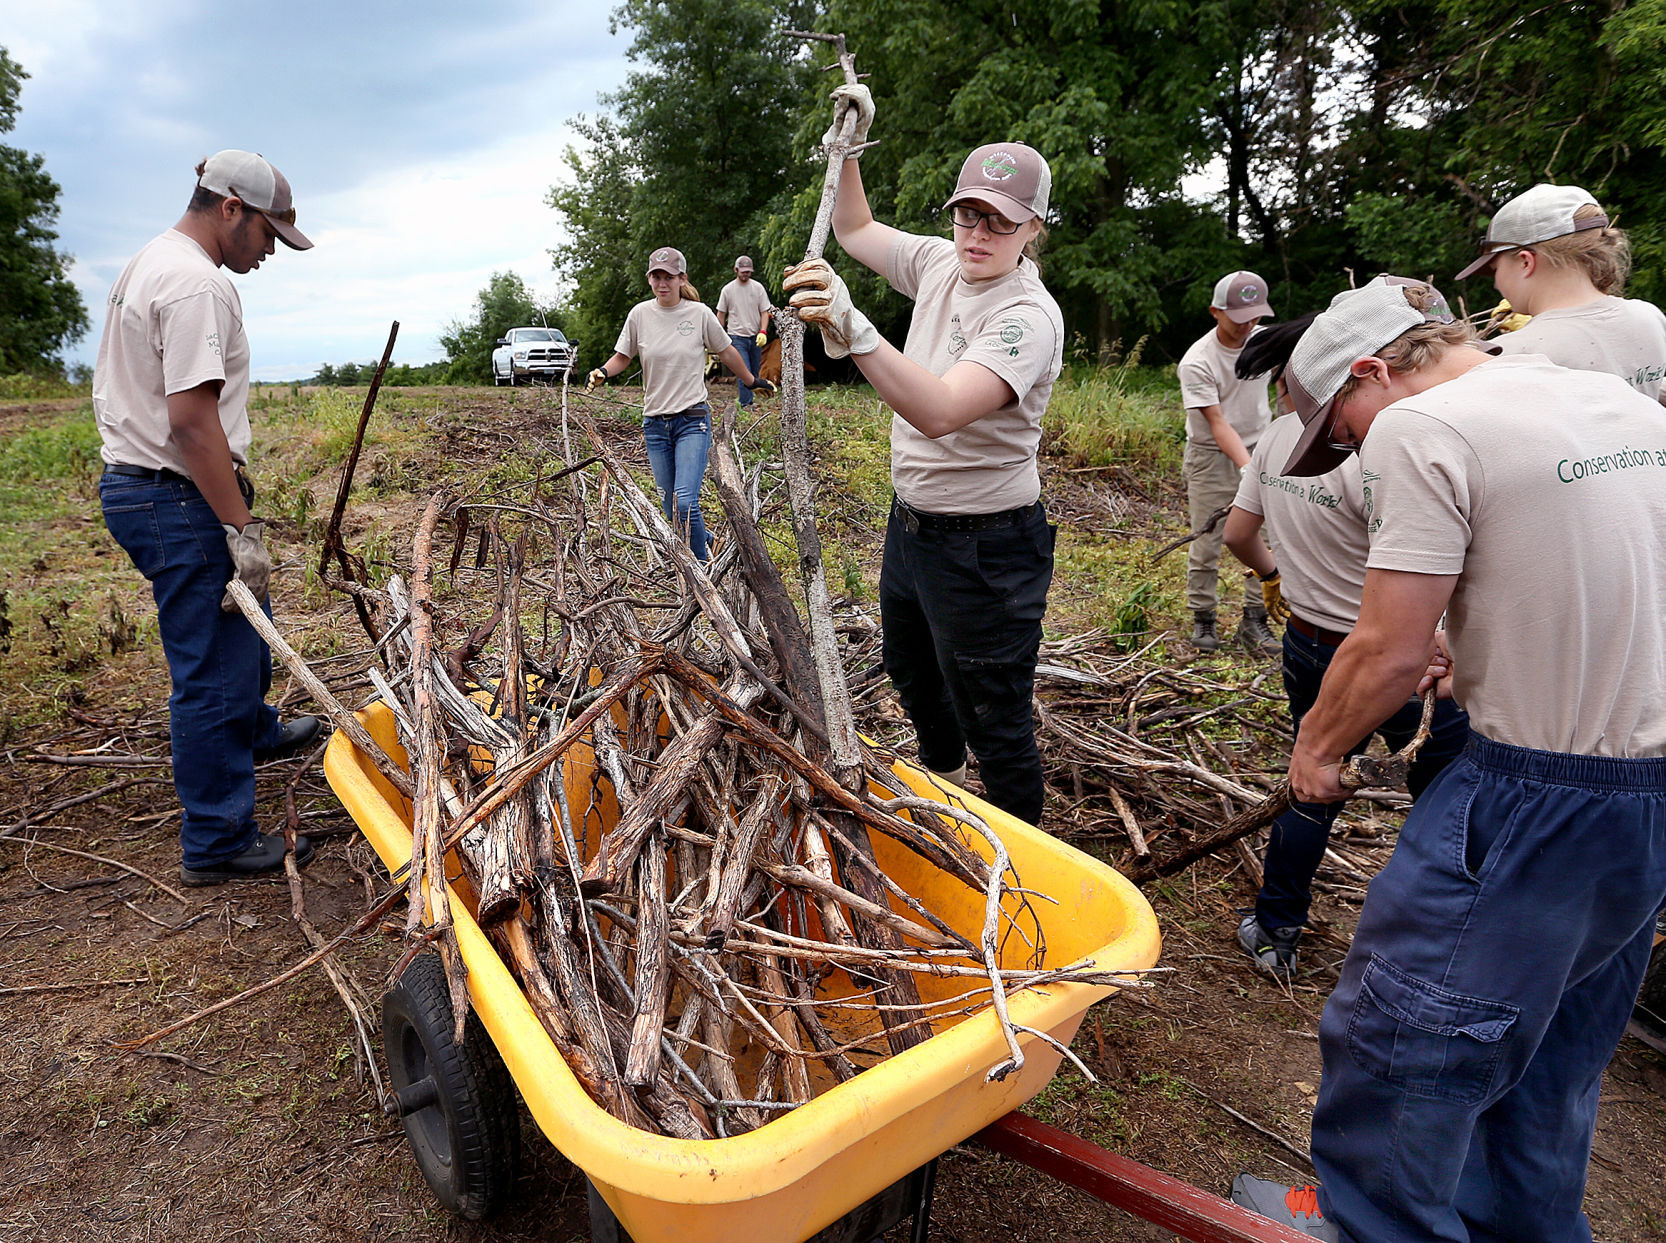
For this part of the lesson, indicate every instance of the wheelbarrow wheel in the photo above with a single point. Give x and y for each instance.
(457, 1102)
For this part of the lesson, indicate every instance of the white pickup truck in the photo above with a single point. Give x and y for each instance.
(531, 354)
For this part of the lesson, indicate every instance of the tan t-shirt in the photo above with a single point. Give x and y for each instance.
(1544, 490)
(1010, 325)
(672, 343)
(1622, 336)
(743, 305)
(1207, 379)
(1315, 525)
(174, 322)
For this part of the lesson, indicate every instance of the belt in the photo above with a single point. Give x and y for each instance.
(159, 475)
(919, 520)
(1330, 638)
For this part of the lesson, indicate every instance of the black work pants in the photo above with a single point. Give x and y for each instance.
(962, 617)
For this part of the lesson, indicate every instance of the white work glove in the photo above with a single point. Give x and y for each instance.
(847, 96)
(253, 563)
(823, 300)
(595, 380)
(762, 338)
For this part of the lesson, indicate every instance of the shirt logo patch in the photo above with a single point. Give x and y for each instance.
(685, 327)
(1000, 166)
(213, 340)
(957, 339)
(1012, 334)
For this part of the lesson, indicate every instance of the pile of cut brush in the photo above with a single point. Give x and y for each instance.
(628, 753)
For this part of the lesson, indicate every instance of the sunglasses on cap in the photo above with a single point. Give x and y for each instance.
(967, 218)
(286, 216)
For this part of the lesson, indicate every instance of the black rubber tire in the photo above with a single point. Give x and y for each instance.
(468, 1142)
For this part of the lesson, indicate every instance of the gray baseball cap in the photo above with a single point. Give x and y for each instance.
(1357, 324)
(743, 264)
(1012, 176)
(247, 177)
(1535, 215)
(1242, 295)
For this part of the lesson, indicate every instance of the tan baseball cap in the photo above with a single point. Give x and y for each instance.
(1242, 295)
(743, 264)
(247, 177)
(1536, 215)
(667, 259)
(1357, 323)
(1009, 175)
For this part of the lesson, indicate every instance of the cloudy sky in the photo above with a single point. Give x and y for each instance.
(421, 138)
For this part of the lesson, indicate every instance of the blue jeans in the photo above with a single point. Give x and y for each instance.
(1494, 967)
(678, 445)
(961, 616)
(753, 355)
(1298, 839)
(221, 668)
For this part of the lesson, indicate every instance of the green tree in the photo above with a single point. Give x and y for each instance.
(40, 309)
(505, 303)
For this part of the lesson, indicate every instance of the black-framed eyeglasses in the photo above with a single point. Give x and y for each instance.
(967, 218)
(1331, 440)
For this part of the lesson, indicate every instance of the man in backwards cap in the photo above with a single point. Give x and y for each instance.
(1498, 954)
(170, 393)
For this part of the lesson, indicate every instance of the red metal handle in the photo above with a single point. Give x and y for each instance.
(1137, 1189)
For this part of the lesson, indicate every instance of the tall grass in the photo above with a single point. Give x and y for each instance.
(1117, 414)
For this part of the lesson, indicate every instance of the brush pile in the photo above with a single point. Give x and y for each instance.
(627, 754)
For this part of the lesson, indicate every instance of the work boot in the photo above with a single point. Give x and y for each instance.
(1274, 950)
(1295, 1208)
(264, 858)
(292, 736)
(1204, 637)
(1255, 634)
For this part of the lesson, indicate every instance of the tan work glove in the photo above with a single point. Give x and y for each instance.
(595, 380)
(253, 563)
(1272, 594)
(847, 96)
(822, 299)
(1512, 321)
(762, 339)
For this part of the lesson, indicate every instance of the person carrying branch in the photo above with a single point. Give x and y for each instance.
(1499, 950)
(170, 396)
(1225, 416)
(968, 549)
(672, 332)
(1555, 256)
(1311, 579)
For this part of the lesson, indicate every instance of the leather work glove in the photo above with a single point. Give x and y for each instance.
(822, 299)
(762, 339)
(847, 96)
(253, 563)
(596, 379)
(1272, 594)
(1512, 320)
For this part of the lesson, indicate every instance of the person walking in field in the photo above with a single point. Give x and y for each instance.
(170, 396)
(968, 549)
(1499, 950)
(1311, 579)
(1225, 417)
(672, 332)
(1554, 256)
(743, 310)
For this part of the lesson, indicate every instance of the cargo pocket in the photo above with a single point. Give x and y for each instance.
(1425, 1040)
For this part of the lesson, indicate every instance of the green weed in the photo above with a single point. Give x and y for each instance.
(1117, 414)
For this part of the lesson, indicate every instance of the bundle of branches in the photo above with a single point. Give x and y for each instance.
(629, 758)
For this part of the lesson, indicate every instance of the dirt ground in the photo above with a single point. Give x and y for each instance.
(260, 1123)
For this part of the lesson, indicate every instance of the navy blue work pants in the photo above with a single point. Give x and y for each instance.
(752, 354)
(1298, 838)
(220, 667)
(961, 612)
(678, 446)
(1490, 978)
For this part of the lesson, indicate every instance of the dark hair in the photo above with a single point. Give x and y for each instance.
(1268, 351)
(202, 198)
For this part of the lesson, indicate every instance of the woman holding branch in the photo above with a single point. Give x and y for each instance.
(672, 332)
(968, 548)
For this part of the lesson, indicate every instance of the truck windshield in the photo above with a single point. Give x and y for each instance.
(536, 334)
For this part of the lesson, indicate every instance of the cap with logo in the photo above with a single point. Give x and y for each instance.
(1536, 215)
(1357, 323)
(1010, 176)
(247, 177)
(743, 264)
(1242, 295)
(667, 259)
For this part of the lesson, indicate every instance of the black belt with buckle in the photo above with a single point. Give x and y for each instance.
(161, 475)
(917, 520)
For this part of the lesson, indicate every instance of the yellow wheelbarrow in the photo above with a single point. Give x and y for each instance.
(795, 1176)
